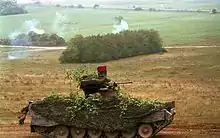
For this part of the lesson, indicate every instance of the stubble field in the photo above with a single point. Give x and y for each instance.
(190, 76)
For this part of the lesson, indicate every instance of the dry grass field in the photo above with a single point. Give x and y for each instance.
(190, 76)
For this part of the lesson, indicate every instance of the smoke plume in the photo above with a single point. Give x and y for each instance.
(27, 26)
(121, 25)
(60, 24)
(31, 25)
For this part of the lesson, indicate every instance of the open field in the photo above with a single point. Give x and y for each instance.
(174, 28)
(189, 76)
(149, 3)
(166, 3)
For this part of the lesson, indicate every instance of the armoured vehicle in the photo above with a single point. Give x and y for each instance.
(98, 116)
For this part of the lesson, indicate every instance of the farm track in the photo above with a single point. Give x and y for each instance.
(173, 131)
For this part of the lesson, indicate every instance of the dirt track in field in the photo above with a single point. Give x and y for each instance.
(173, 131)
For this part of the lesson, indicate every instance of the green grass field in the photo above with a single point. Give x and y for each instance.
(175, 28)
(152, 3)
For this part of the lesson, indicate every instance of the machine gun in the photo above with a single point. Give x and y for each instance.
(113, 86)
(128, 82)
(93, 86)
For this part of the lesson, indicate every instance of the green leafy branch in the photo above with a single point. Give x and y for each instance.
(80, 73)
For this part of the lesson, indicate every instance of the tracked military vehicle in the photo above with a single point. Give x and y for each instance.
(96, 116)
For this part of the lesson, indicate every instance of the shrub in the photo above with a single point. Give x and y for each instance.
(70, 6)
(152, 9)
(10, 8)
(214, 11)
(12, 11)
(95, 6)
(138, 9)
(108, 47)
(80, 6)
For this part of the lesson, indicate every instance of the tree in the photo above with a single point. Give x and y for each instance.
(138, 9)
(7, 3)
(80, 6)
(214, 11)
(57, 5)
(95, 6)
(10, 7)
(37, 3)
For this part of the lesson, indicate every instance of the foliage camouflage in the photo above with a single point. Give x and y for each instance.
(108, 47)
(108, 114)
(34, 39)
(78, 73)
(97, 112)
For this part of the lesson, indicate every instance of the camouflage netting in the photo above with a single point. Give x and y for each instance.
(34, 39)
(108, 114)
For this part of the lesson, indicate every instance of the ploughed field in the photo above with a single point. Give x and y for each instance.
(190, 76)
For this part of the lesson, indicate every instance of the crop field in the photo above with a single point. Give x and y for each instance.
(174, 27)
(190, 76)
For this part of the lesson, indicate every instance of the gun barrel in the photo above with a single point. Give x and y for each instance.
(124, 82)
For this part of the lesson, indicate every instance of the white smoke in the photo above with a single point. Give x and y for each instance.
(60, 18)
(17, 53)
(122, 25)
(31, 25)
(14, 35)
(26, 27)
(60, 24)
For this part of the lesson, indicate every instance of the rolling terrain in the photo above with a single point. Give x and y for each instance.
(176, 28)
(190, 76)
(189, 73)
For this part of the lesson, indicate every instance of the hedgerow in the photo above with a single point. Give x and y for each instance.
(108, 47)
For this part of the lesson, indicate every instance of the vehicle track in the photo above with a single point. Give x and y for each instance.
(173, 131)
